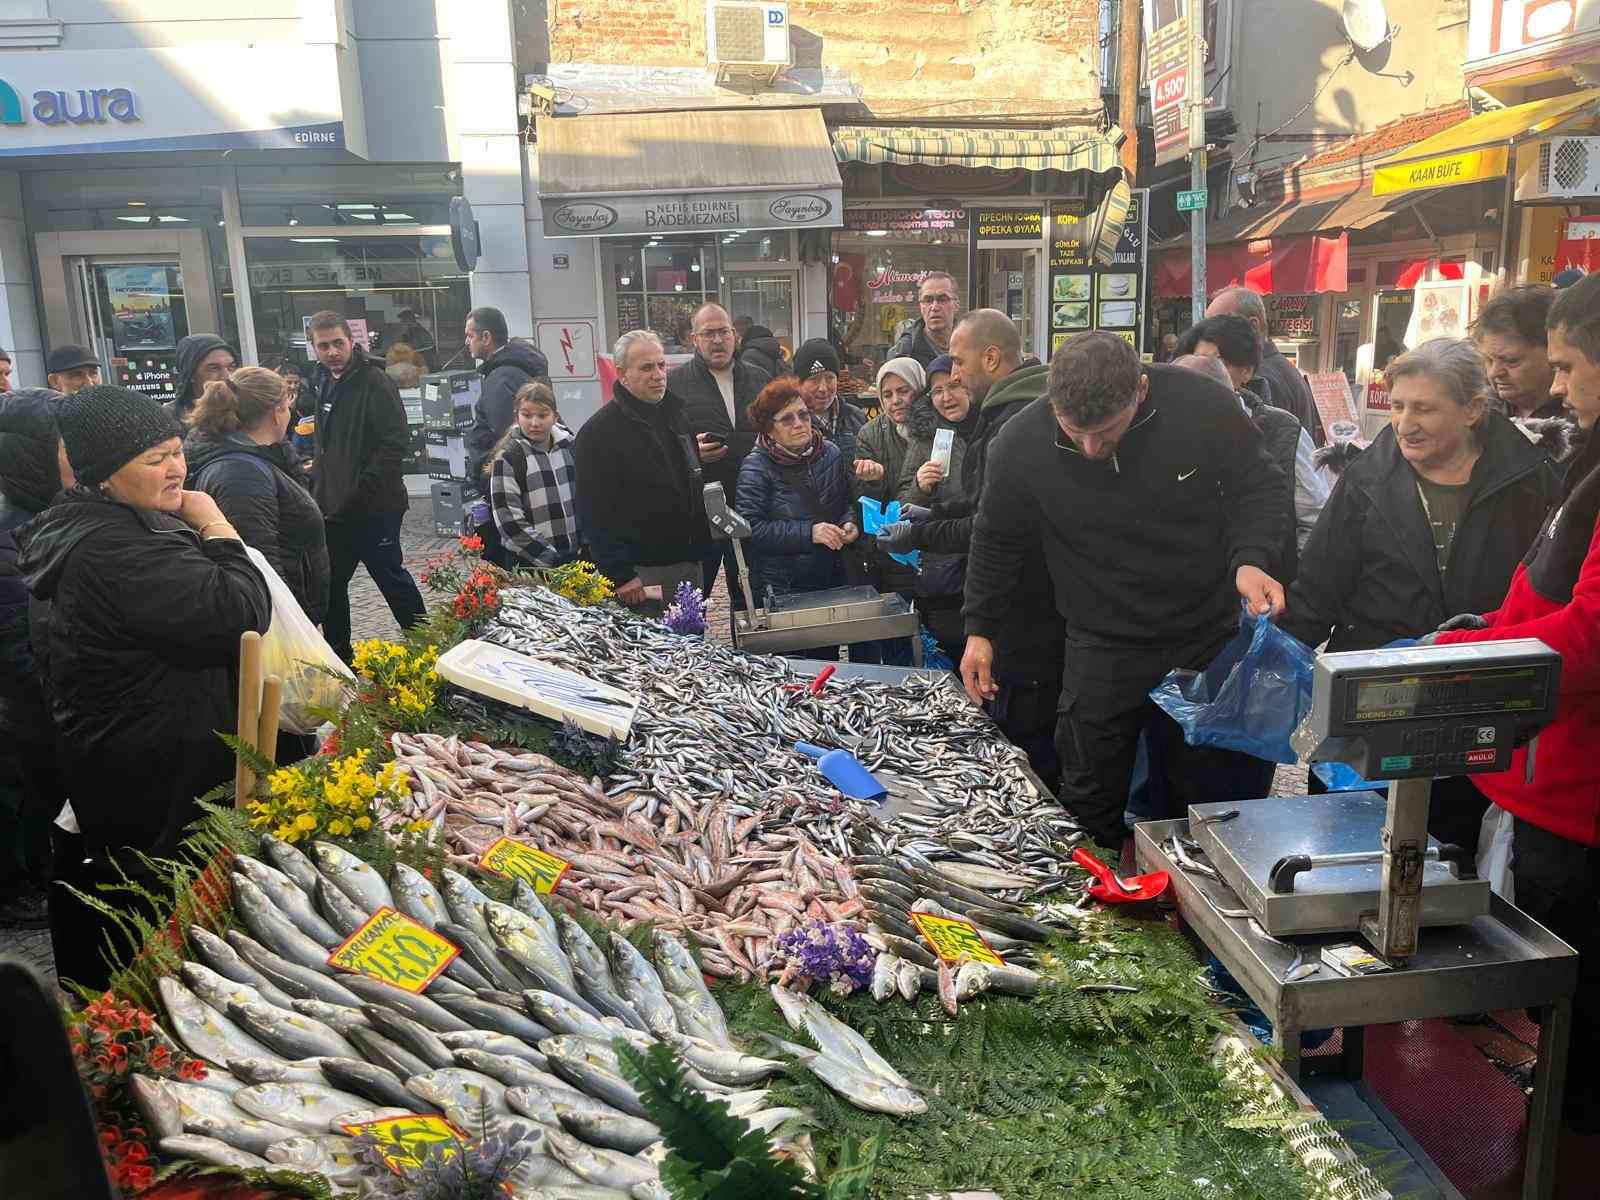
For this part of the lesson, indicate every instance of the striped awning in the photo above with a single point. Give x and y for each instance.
(1000, 149)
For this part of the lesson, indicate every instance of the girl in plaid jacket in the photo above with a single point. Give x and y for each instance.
(533, 483)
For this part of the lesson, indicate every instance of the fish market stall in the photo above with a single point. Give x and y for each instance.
(462, 935)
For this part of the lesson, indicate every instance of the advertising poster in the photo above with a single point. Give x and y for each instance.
(141, 307)
(1089, 295)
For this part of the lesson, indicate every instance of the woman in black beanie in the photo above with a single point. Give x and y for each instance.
(141, 592)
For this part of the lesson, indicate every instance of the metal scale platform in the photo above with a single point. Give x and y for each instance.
(1268, 884)
(807, 620)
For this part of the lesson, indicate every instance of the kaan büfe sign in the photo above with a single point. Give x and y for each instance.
(691, 212)
(1443, 170)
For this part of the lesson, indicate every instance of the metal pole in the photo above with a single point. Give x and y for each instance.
(1197, 157)
(1393, 931)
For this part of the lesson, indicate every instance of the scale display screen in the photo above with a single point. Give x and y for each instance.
(1406, 696)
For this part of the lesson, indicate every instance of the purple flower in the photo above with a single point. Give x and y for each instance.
(836, 955)
(687, 612)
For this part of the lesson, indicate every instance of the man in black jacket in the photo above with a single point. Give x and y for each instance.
(639, 482)
(1288, 388)
(716, 390)
(506, 363)
(201, 359)
(1155, 502)
(986, 350)
(939, 301)
(362, 444)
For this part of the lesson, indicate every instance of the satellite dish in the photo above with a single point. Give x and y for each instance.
(1366, 23)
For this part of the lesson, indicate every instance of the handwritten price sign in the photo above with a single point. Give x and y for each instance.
(407, 1143)
(533, 866)
(395, 949)
(951, 939)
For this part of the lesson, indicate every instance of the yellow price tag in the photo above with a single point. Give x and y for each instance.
(533, 866)
(951, 939)
(393, 948)
(408, 1142)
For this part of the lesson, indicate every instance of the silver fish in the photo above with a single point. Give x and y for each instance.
(413, 1035)
(306, 1107)
(416, 897)
(387, 1053)
(343, 1123)
(300, 982)
(206, 1032)
(210, 1151)
(907, 979)
(640, 985)
(836, 1038)
(611, 1130)
(724, 1066)
(275, 1070)
(225, 961)
(276, 931)
(865, 1091)
(286, 894)
(418, 1008)
(525, 900)
(456, 1087)
(513, 1072)
(478, 949)
(883, 976)
(563, 1016)
(378, 1084)
(584, 1075)
(353, 877)
(336, 1016)
(464, 901)
(291, 862)
(290, 1034)
(216, 990)
(343, 913)
(595, 1165)
(498, 1044)
(158, 1106)
(682, 980)
(326, 1154)
(474, 1013)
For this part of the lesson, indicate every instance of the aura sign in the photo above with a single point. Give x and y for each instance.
(85, 106)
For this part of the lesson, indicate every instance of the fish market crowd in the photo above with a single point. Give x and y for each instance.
(1069, 532)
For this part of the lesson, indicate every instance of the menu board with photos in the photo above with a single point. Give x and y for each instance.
(1085, 294)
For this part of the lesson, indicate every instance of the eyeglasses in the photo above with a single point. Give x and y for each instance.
(794, 418)
(939, 298)
(715, 335)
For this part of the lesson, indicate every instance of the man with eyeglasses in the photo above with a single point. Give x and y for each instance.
(716, 390)
(940, 303)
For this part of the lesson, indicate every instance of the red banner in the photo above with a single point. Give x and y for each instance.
(1286, 265)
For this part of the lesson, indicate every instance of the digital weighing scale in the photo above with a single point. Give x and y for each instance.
(807, 620)
(1268, 884)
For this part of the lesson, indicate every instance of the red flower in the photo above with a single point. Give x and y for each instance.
(471, 541)
(110, 1135)
(192, 1069)
(132, 1152)
(160, 1057)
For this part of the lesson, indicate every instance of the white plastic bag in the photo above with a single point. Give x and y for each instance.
(1494, 852)
(295, 651)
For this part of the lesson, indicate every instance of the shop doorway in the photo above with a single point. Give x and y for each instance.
(767, 297)
(129, 297)
(1009, 280)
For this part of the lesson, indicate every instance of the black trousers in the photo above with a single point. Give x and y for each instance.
(1025, 711)
(1558, 885)
(373, 542)
(1097, 752)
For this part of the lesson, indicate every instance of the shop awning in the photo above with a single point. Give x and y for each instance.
(1277, 265)
(999, 149)
(1346, 210)
(625, 174)
(1478, 148)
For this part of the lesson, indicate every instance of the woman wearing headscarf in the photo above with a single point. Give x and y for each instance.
(141, 592)
(882, 450)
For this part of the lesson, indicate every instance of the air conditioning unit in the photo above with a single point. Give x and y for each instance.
(747, 41)
(1568, 167)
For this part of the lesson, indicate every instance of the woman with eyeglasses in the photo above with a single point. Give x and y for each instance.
(795, 492)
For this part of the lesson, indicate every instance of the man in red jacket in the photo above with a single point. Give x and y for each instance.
(1555, 597)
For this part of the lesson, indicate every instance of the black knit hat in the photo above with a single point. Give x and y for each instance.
(815, 355)
(29, 476)
(106, 427)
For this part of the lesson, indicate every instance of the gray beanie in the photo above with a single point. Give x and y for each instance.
(107, 427)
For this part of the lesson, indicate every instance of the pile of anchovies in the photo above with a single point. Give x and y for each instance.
(516, 1035)
(718, 725)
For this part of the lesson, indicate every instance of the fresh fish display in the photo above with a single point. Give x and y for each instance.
(386, 1053)
(335, 1016)
(210, 1151)
(413, 1035)
(351, 876)
(301, 982)
(277, 1070)
(343, 913)
(419, 1008)
(307, 1107)
(325, 1154)
(274, 930)
(205, 1031)
(498, 1044)
(513, 1072)
(289, 897)
(456, 1087)
(375, 1083)
(225, 961)
(290, 1034)
(471, 1013)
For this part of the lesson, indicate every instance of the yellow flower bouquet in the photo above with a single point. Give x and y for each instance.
(399, 678)
(328, 797)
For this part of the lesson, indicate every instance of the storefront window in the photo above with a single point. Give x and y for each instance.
(360, 196)
(879, 259)
(656, 284)
(392, 289)
(1351, 327)
(1394, 316)
(757, 246)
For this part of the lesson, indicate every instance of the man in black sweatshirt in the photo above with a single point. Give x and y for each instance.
(1157, 507)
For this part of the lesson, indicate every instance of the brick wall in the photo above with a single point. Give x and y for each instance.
(939, 57)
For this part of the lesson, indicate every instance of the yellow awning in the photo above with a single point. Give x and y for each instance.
(1479, 147)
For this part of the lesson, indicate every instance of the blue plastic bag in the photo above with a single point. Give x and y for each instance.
(1250, 698)
(875, 516)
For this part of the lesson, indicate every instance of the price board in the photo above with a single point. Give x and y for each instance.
(952, 938)
(394, 949)
(407, 1143)
(514, 860)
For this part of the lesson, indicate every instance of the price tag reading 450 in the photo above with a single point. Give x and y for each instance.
(533, 866)
(395, 949)
(951, 939)
(407, 1143)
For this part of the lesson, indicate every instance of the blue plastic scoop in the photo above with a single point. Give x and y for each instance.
(844, 771)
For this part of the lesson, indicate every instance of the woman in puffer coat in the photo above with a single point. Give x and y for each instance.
(1429, 521)
(238, 455)
(927, 485)
(795, 493)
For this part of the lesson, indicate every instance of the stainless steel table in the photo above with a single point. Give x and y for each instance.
(1499, 961)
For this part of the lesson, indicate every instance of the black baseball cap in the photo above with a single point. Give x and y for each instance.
(70, 357)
